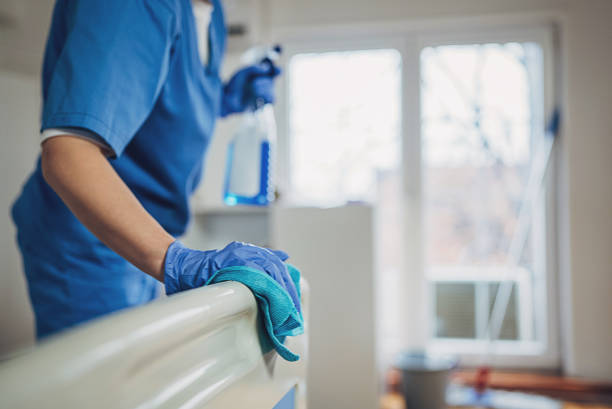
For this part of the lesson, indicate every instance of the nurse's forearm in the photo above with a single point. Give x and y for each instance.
(80, 174)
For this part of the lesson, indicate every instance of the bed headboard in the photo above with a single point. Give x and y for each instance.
(197, 349)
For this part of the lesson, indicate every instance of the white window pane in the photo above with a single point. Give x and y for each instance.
(344, 123)
(477, 138)
(455, 303)
(480, 119)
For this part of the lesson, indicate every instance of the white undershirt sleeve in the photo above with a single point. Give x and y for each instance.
(202, 12)
(79, 133)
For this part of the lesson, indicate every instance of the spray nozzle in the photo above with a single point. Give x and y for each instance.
(261, 53)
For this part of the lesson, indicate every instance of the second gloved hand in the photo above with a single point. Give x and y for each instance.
(249, 87)
(186, 268)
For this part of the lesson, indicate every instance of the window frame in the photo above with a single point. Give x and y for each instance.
(409, 38)
(480, 277)
(544, 354)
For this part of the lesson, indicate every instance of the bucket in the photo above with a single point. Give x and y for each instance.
(424, 379)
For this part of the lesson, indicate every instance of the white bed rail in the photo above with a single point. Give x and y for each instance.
(198, 349)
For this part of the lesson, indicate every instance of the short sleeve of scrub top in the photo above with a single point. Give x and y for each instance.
(111, 69)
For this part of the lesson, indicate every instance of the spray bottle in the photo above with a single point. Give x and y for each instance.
(250, 154)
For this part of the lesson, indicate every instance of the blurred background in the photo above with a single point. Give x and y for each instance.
(417, 187)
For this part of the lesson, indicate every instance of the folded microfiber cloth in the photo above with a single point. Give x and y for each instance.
(279, 314)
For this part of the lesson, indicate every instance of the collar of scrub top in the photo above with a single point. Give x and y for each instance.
(202, 12)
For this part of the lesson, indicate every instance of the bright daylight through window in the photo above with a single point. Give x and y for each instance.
(481, 121)
(355, 98)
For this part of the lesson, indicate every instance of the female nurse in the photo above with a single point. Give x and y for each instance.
(131, 92)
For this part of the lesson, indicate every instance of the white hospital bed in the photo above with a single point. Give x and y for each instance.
(197, 349)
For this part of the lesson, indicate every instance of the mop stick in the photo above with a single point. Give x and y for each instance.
(519, 239)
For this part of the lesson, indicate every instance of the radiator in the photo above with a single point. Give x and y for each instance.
(197, 349)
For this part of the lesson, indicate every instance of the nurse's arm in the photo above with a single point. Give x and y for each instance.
(81, 175)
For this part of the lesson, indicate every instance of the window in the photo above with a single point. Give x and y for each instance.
(344, 122)
(444, 131)
(481, 124)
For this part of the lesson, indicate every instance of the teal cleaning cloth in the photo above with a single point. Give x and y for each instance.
(277, 311)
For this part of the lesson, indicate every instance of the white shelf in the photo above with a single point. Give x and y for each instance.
(230, 210)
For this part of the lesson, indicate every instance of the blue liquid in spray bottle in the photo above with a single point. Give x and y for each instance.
(249, 171)
(250, 155)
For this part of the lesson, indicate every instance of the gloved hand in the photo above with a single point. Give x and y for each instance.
(249, 87)
(186, 268)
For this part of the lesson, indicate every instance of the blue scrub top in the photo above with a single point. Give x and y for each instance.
(130, 72)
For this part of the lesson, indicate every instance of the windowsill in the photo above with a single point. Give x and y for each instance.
(230, 210)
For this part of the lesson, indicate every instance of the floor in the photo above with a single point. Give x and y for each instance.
(514, 390)
(565, 406)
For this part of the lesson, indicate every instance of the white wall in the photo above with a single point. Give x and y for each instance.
(588, 142)
(23, 27)
(296, 13)
(19, 101)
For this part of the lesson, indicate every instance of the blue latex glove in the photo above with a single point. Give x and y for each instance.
(186, 268)
(249, 88)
